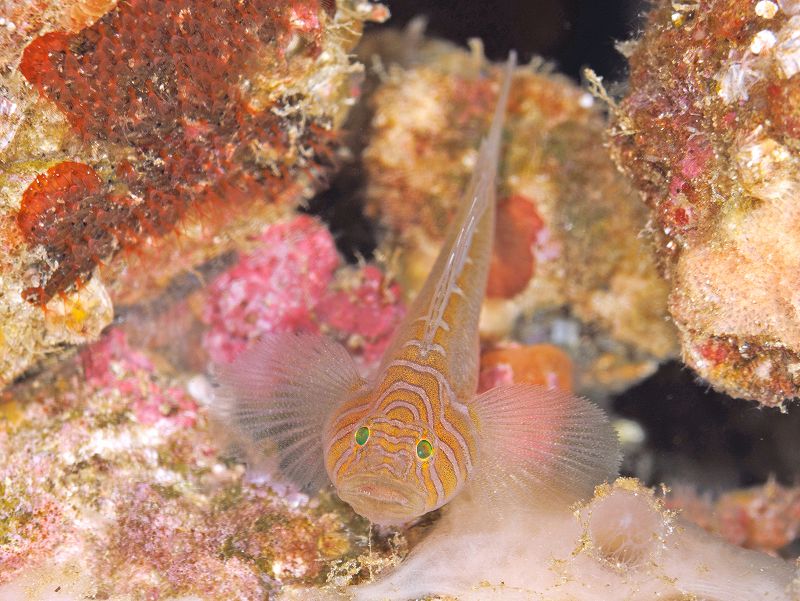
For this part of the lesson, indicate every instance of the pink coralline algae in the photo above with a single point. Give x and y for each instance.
(294, 280)
(272, 289)
(112, 364)
(361, 308)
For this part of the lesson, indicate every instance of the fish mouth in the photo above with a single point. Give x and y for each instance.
(381, 500)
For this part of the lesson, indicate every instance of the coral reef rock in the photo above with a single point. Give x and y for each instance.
(130, 154)
(569, 261)
(765, 517)
(709, 131)
(111, 487)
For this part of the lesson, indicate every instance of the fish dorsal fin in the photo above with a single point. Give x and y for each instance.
(540, 446)
(444, 316)
(479, 196)
(277, 397)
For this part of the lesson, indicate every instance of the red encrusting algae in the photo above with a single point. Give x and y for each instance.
(60, 210)
(173, 105)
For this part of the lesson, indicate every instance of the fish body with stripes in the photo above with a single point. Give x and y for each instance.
(409, 439)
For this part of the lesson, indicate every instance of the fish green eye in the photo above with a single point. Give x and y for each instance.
(424, 449)
(362, 435)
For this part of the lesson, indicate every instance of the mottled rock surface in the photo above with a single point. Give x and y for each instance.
(709, 134)
(131, 155)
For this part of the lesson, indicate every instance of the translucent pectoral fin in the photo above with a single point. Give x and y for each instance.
(541, 446)
(277, 396)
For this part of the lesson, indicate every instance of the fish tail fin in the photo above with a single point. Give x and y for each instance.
(276, 397)
(545, 446)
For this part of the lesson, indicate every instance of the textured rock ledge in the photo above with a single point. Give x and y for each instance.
(127, 159)
(709, 134)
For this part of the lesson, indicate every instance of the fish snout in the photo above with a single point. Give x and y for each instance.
(381, 499)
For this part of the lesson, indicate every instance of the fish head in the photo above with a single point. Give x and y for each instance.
(389, 470)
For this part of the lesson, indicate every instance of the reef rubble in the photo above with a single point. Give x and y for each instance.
(708, 132)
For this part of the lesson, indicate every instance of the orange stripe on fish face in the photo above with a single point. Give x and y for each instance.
(404, 449)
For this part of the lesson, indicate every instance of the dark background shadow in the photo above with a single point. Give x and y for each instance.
(572, 33)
